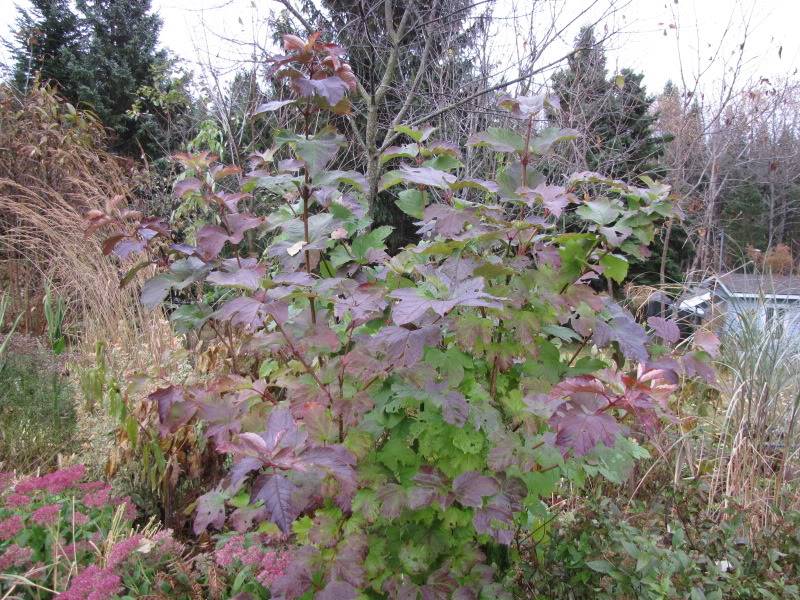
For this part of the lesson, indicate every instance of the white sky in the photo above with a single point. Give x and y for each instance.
(217, 25)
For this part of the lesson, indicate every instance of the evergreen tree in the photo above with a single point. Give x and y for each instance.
(614, 116)
(46, 43)
(122, 57)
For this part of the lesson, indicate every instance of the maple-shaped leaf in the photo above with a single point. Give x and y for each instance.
(707, 341)
(361, 302)
(666, 329)
(440, 585)
(496, 519)
(471, 488)
(430, 486)
(244, 272)
(413, 303)
(452, 403)
(406, 151)
(623, 329)
(251, 311)
(317, 151)
(210, 511)
(549, 136)
(348, 565)
(277, 493)
(553, 197)
(445, 220)
(418, 135)
(580, 431)
(403, 347)
(698, 364)
(272, 106)
(331, 90)
(393, 498)
(337, 590)
(601, 211)
(426, 176)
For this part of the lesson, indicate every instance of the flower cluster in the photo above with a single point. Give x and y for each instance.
(268, 565)
(53, 483)
(93, 583)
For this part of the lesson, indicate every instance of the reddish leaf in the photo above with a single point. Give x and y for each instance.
(278, 493)
(403, 347)
(426, 176)
(581, 431)
(183, 187)
(337, 590)
(708, 341)
(666, 329)
(245, 272)
(471, 488)
(210, 512)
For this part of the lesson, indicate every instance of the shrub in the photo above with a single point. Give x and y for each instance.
(403, 418)
(603, 552)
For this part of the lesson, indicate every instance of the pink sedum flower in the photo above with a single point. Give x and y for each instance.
(15, 500)
(98, 498)
(79, 518)
(122, 550)
(54, 482)
(14, 556)
(47, 514)
(273, 566)
(93, 583)
(10, 527)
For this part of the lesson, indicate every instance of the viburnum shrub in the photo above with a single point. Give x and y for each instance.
(402, 417)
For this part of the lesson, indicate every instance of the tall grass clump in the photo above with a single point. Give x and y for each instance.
(54, 170)
(759, 438)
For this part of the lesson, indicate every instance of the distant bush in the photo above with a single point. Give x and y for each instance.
(603, 552)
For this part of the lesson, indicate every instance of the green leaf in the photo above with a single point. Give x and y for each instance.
(412, 202)
(498, 139)
(190, 317)
(318, 151)
(614, 267)
(418, 135)
(407, 151)
(443, 162)
(549, 136)
(601, 566)
(373, 239)
(599, 211)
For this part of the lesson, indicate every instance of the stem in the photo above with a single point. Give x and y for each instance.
(303, 362)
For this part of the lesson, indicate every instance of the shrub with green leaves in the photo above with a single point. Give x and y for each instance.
(603, 552)
(403, 417)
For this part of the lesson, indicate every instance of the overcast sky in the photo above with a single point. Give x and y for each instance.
(216, 32)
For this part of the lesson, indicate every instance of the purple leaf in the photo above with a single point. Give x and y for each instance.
(454, 406)
(183, 187)
(581, 431)
(426, 176)
(553, 197)
(210, 511)
(708, 341)
(446, 220)
(403, 347)
(245, 272)
(242, 519)
(330, 89)
(471, 487)
(277, 492)
(393, 500)
(173, 409)
(412, 304)
(666, 329)
(337, 590)
(623, 329)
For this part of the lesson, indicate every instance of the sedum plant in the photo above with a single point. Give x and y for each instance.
(401, 418)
